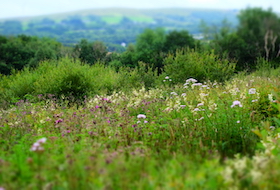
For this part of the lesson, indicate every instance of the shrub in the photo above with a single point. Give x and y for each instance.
(200, 65)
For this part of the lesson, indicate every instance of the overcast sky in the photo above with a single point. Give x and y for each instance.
(20, 8)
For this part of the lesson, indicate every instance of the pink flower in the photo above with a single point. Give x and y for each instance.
(42, 140)
(37, 146)
(141, 116)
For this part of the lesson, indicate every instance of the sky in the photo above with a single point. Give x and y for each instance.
(24, 8)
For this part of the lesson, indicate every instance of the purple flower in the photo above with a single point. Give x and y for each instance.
(236, 103)
(108, 121)
(58, 121)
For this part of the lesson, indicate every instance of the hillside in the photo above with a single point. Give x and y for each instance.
(114, 25)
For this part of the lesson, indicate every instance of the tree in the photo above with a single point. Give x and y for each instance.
(178, 40)
(257, 35)
(149, 47)
(90, 52)
(260, 30)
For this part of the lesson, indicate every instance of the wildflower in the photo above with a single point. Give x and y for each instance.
(240, 164)
(170, 79)
(272, 128)
(254, 100)
(37, 146)
(191, 80)
(238, 121)
(252, 91)
(197, 84)
(196, 109)
(182, 106)
(256, 176)
(174, 93)
(145, 121)
(227, 174)
(203, 94)
(42, 140)
(141, 116)
(270, 97)
(184, 94)
(199, 119)
(236, 103)
(164, 80)
(200, 104)
(58, 121)
(167, 77)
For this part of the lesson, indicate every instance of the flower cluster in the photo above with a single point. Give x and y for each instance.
(37, 146)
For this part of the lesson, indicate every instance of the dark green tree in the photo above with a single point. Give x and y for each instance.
(260, 30)
(149, 47)
(178, 40)
(90, 52)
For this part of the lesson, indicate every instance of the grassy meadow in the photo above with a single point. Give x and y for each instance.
(135, 129)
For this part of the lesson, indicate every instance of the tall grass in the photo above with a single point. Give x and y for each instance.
(137, 130)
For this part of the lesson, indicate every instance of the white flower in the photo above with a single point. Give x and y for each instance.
(196, 109)
(191, 80)
(256, 176)
(182, 106)
(199, 119)
(174, 93)
(238, 121)
(197, 84)
(272, 128)
(270, 97)
(236, 103)
(184, 94)
(227, 174)
(252, 91)
(167, 77)
(141, 116)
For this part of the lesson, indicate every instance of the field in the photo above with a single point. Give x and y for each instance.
(173, 136)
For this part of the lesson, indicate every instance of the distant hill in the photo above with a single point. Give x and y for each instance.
(115, 25)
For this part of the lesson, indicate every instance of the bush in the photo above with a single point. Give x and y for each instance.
(202, 66)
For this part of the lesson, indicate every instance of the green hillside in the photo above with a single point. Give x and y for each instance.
(115, 25)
